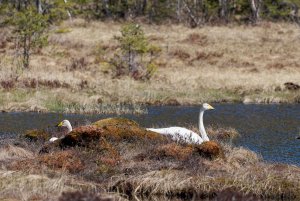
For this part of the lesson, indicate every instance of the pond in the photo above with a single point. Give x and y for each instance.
(269, 130)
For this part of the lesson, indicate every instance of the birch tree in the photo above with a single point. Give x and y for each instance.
(255, 8)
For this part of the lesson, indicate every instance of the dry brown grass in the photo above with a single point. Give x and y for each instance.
(222, 133)
(241, 170)
(10, 152)
(82, 195)
(20, 185)
(237, 63)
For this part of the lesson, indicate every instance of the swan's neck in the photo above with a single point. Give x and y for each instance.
(69, 127)
(201, 126)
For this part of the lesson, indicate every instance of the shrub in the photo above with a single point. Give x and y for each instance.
(77, 64)
(8, 84)
(135, 56)
(30, 28)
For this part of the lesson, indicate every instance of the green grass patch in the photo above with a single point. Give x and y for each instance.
(62, 30)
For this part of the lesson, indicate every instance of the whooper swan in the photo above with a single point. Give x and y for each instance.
(186, 135)
(64, 123)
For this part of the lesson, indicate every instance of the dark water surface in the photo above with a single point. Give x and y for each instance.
(269, 130)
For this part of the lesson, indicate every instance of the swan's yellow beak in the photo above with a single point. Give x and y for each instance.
(210, 107)
(60, 124)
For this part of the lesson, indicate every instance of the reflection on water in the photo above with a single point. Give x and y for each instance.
(269, 130)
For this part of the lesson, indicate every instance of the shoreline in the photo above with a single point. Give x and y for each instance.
(128, 111)
(76, 101)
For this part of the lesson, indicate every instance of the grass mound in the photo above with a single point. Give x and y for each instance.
(122, 157)
(111, 129)
(35, 135)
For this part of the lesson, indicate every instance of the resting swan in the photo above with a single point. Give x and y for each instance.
(188, 136)
(64, 123)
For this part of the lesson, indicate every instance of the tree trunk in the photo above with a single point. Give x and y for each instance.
(68, 12)
(223, 10)
(26, 51)
(178, 10)
(144, 6)
(106, 8)
(294, 13)
(194, 20)
(38, 5)
(255, 7)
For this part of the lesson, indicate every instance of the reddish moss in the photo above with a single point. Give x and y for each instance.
(66, 160)
(173, 150)
(82, 136)
(209, 149)
(109, 154)
(26, 164)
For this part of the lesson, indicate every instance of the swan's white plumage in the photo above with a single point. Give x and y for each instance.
(179, 134)
(53, 139)
(186, 135)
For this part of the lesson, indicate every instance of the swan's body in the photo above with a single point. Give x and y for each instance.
(186, 135)
(179, 134)
(64, 123)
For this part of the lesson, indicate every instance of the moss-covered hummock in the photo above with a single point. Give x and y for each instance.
(115, 122)
(111, 129)
(35, 135)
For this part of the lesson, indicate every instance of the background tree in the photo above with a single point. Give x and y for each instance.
(30, 28)
(136, 56)
(192, 12)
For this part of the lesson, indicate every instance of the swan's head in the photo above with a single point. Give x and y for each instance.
(207, 106)
(64, 123)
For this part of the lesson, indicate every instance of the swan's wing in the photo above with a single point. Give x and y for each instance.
(53, 139)
(163, 131)
(179, 134)
(186, 135)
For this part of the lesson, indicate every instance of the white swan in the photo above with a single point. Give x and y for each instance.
(186, 135)
(64, 123)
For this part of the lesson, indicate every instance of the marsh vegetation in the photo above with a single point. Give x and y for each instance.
(211, 64)
(118, 159)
